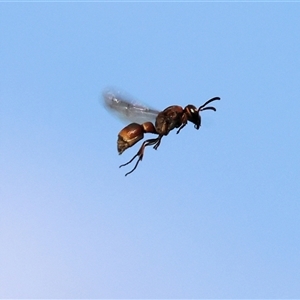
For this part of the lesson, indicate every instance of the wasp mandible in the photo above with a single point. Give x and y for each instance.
(144, 118)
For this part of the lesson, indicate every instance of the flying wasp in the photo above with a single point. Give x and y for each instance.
(148, 120)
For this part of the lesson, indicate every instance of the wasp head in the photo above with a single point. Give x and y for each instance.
(193, 114)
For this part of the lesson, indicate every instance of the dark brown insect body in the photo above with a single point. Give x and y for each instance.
(166, 120)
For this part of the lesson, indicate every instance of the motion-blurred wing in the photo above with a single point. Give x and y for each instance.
(128, 110)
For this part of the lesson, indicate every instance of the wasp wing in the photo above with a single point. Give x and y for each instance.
(128, 110)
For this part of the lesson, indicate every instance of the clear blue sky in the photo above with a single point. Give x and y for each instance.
(212, 213)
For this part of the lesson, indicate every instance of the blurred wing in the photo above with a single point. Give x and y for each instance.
(128, 110)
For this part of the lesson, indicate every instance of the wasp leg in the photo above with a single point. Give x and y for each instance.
(158, 142)
(180, 128)
(140, 153)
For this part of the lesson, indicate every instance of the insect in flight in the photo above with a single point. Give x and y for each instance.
(148, 120)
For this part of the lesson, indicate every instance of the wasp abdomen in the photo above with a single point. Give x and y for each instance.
(133, 133)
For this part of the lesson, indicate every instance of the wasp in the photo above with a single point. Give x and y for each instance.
(148, 120)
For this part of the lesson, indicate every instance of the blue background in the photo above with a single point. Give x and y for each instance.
(212, 213)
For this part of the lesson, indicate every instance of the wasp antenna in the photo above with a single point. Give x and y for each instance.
(210, 100)
(209, 107)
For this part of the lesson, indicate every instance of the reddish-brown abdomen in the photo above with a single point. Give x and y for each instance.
(129, 135)
(133, 133)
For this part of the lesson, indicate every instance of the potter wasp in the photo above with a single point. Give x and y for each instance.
(148, 120)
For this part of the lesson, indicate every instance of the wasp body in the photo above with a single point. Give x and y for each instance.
(172, 117)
